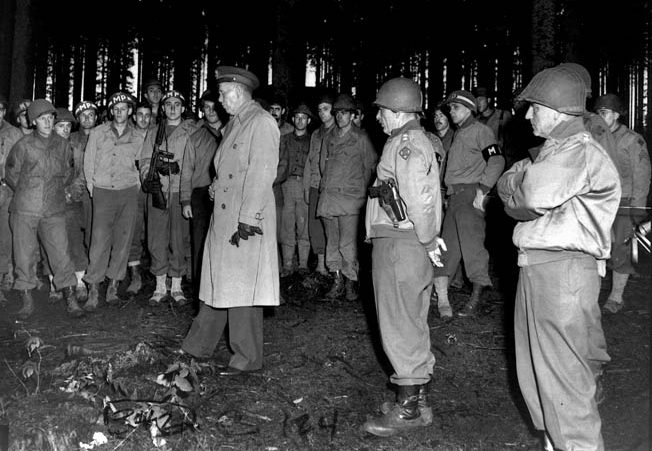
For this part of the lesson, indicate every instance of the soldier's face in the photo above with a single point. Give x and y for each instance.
(325, 112)
(276, 111)
(609, 116)
(343, 118)
(459, 112)
(441, 121)
(173, 108)
(87, 119)
(22, 119)
(63, 129)
(300, 121)
(229, 97)
(542, 118)
(482, 102)
(121, 112)
(143, 118)
(387, 120)
(211, 116)
(154, 94)
(44, 124)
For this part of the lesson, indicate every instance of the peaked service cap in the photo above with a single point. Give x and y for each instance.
(236, 75)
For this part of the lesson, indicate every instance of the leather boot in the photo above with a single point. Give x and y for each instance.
(93, 298)
(160, 291)
(71, 301)
(404, 415)
(136, 281)
(443, 304)
(8, 280)
(351, 288)
(338, 288)
(471, 307)
(424, 408)
(28, 304)
(112, 292)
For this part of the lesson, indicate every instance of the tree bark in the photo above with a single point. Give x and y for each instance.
(22, 60)
(7, 11)
(543, 35)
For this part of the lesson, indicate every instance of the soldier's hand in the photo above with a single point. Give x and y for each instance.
(435, 255)
(306, 196)
(478, 201)
(187, 211)
(211, 192)
(244, 232)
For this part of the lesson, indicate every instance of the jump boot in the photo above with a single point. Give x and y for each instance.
(403, 416)
(71, 301)
(28, 304)
(424, 409)
(338, 288)
(136, 281)
(471, 307)
(93, 298)
(112, 292)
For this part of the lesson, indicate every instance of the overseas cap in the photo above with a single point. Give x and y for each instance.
(302, 108)
(64, 115)
(83, 106)
(464, 98)
(173, 93)
(609, 102)
(38, 108)
(120, 97)
(236, 75)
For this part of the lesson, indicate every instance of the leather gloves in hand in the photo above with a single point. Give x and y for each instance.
(244, 232)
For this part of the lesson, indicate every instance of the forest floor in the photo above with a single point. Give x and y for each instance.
(324, 374)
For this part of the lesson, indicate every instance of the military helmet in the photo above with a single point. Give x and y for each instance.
(610, 102)
(39, 107)
(302, 108)
(583, 74)
(83, 106)
(64, 115)
(120, 97)
(173, 93)
(559, 88)
(400, 94)
(344, 102)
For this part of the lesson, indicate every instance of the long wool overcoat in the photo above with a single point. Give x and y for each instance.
(245, 166)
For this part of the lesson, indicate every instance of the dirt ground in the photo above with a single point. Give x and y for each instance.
(324, 373)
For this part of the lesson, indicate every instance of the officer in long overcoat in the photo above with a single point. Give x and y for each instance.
(240, 263)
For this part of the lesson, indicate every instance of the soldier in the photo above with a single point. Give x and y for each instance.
(197, 173)
(277, 109)
(168, 232)
(9, 135)
(634, 170)
(347, 163)
(240, 275)
(565, 198)
(404, 231)
(113, 183)
(38, 168)
(311, 180)
(497, 119)
(20, 115)
(142, 119)
(473, 164)
(153, 93)
(294, 227)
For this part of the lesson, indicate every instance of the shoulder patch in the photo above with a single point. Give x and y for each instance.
(405, 152)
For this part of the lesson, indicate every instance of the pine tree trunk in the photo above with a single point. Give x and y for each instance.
(7, 11)
(543, 34)
(22, 67)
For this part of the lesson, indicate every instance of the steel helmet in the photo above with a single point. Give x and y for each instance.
(582, 72)
(64, 115)
(400, 94)
(83, 106)
(39, 107)
(610, 102)
(120, 97)
(344, 102)
(558, 88)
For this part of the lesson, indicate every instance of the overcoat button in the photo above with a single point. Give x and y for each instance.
(230, 176)
(223, 207)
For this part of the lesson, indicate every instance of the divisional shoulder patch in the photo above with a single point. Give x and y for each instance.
(405, 153)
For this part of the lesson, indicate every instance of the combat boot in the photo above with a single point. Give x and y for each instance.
(471, 307)
(28, 304)
(71, 301)
(424, 408)
(351, 288)
(338, 288)
(136, 280)
(443, 304)
(112, 292)
(160, 291)
(93, 298)
(8, 280)
(404, 415)
(321, 266)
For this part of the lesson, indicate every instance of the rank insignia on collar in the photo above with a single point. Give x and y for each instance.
(405, 153)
